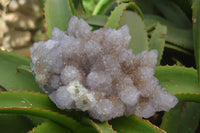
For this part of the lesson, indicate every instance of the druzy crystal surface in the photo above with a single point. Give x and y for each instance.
(94, 71)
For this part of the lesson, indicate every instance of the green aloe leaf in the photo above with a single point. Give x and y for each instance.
(89, 5)
(57, 14)
(151, 20)
(185, 5)
(48, 127)
(113, 20)
(179, 81)
(120, 17)
(173, 13)
(139, 39)
(186, 116)
(102, 7)
(37, 120)
(146, 6)
(72, 7)
(12, 123)
(196, 33)
(174, 47)
(23, 68)
(115, 17)
(181, 38)
(97, 20)
(97, 127)
(103, 127)
(111, 8)
(10, 79)
(157, 41)
(134, 124)
(38, 105)
(78, 6)
(26, 100)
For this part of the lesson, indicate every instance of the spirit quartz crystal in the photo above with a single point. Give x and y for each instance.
(94, 71)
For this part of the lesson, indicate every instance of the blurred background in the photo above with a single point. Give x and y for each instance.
(21, 24)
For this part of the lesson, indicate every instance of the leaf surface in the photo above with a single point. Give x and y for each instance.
(89, 5)
(185, 115)
(115, 17)
(180, 81)
(178, 37)
(196, 33)
(12, 123)
(139, 39)
(120, 17)
(157, 41)
(35, 104)
(48, 127)
(173, 13)
(174, 47)
(57, 14)
(102, 6)
(151, 21)
(103, 127)
(134, 124)
(10, 79)
(97, 20)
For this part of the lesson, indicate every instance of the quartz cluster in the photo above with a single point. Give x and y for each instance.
(95, 71)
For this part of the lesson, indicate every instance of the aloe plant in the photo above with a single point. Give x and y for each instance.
(166, 29)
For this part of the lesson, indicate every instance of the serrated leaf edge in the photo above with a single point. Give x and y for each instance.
(126, 6)
(154, 126)
(110, 126)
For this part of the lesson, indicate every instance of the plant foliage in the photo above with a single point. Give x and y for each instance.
(163, 25)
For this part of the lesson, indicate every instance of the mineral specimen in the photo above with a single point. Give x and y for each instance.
(96, 72)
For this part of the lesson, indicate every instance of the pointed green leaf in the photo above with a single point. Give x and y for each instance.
(97, 127)
(134, 124)
(98, 20)
(111, 8)
(35, 104)
(151, 20)
(185, 5)
(179, 81)
(10, 79)
(24, 68)
(26, 100)
(102, 6)
(186, 116)
(139, 39)
(120, 17)
(72, 7)
(173, 13)
(48, 127)
(89, 5)
(115, 17)
(182, 50)
(196, 33)
(12, 123)
(181, 38)
(57, 14)
(103, 127)
(157, 41)
(113, 20)
(78, 7)
(37, 120)
(146, 6)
